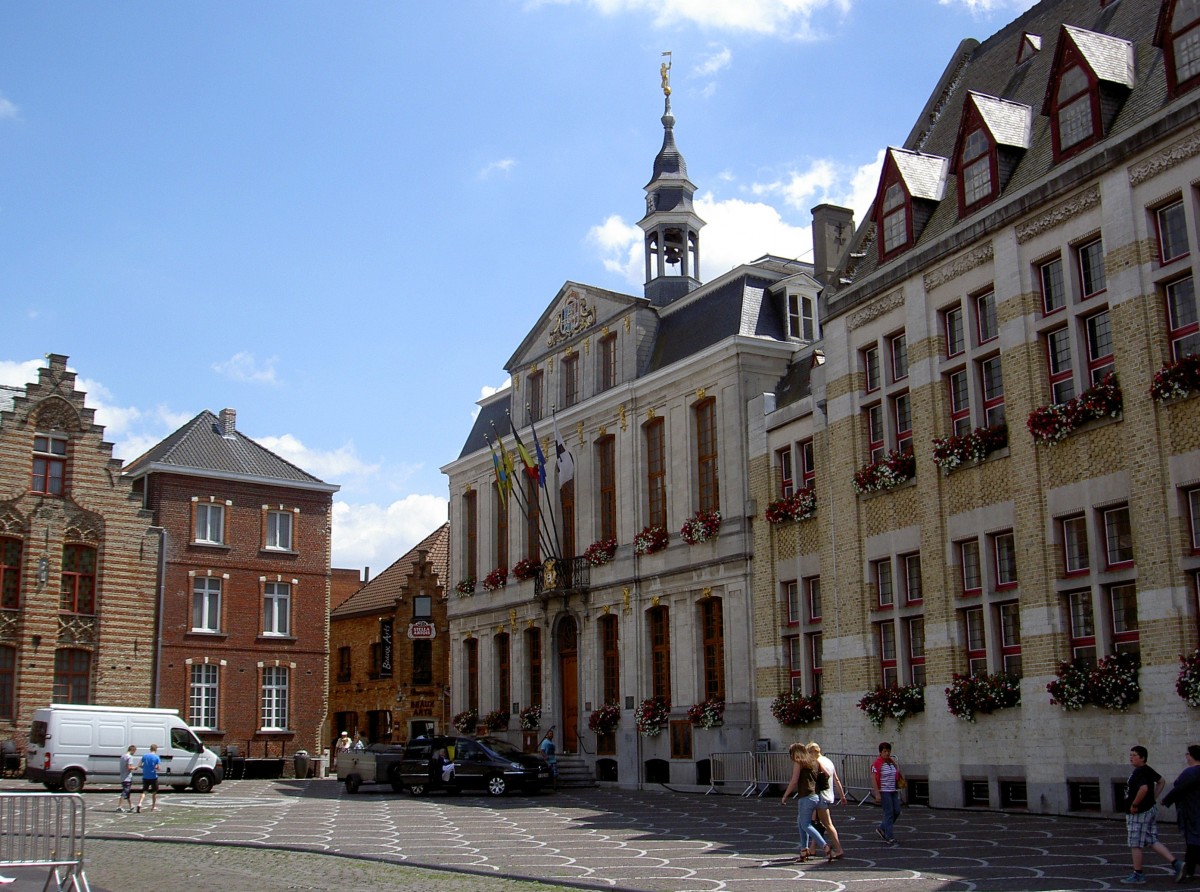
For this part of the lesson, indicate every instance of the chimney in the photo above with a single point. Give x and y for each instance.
(228, 422)
(832, 228)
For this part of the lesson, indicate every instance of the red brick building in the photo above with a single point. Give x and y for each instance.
(389, 650)
(78, 559)
(245, 587)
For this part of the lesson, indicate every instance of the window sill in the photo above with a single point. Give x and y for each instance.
(209, 732)
(217, 546)
(276, 732)
(205, 633)
(282, 639)
(282, 552)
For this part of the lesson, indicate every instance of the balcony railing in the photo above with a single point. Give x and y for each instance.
(561, 576)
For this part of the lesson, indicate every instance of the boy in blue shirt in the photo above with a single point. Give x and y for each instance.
(150, 763)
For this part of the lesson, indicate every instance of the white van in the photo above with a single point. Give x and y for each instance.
(71, 744)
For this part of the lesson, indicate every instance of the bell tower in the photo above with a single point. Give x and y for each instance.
(671, 225)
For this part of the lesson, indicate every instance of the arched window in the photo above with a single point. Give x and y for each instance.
(712, 631)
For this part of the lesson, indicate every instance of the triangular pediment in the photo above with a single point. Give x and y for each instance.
(576, 313)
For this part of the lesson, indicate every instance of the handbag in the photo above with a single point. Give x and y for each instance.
(901, 782)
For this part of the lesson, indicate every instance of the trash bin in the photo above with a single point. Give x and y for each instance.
(301, 759)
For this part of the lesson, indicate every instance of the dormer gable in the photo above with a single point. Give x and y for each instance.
(910, 186)
(1091, 76)
(992, 137)
(1030, 46)
(796, 300)
(1178, 35)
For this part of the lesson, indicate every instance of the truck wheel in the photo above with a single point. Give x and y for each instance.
(72, 781)
(497, 785)
(202, 782)
(352, 783)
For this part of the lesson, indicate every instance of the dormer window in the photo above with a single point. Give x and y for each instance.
(802, 317)
(1179, 37)
(1031, 45)
(976, 170)
(895, 218)
(1093, 73)
(1074, 115)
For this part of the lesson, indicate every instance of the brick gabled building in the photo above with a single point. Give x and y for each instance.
(390, 652)
(245, 586)
(78, 559)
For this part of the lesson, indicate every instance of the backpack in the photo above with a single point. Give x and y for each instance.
(822, 783)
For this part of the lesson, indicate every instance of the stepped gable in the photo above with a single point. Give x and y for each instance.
(381, 593)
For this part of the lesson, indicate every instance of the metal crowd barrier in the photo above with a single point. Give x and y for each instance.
(44, 830)
(757, 772)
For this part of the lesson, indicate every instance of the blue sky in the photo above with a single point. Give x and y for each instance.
(341, 218)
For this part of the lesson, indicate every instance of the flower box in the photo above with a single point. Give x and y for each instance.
(894, 702)
(707, 713)
(1054, 423)
(952, 452)
(466, 588)
(650, 540)
(496, 720)
(889, 472)
(1187, 685)
(800, 506)
(701, 527)
(498, 578)
(605, 719)
(525, 569)
(651, 716)
(1111, 684)
(793, 708)
(465, 721)
(1177, 379)
(982, 693)
(531, 717)
(600, 552)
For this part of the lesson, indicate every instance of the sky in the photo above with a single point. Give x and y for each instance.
(340, 219)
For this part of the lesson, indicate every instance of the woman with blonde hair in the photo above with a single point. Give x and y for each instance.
(804, 784)
(827, 797)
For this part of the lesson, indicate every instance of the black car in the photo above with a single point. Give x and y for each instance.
(483, 763)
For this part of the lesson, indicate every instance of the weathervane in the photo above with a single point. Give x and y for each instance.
(665, 71)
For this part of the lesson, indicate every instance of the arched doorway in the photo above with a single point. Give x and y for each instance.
(568, 674)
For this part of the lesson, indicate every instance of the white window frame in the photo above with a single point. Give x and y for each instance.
(204, 692)
(274, 702)
(206, 603)
(277, 608)
(208, 516)
(280, 527)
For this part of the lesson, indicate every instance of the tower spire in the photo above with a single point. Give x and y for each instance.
(671, 225)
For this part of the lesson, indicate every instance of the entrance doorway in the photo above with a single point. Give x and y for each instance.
(568, 674)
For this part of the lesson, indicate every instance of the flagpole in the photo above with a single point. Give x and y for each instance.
(549, 501)
(531, 465)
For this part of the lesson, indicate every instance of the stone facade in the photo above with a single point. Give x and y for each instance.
(967, 570)
(79, 555)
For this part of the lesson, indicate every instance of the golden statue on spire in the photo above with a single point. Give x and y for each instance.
(665, 71)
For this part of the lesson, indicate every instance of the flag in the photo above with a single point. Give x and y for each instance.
(541, 456)
(565, 461)
(531, 469)
(500, 474)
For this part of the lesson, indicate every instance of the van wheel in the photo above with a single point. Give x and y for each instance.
(72, 781)
(352, 783)
(202, 782)
(497, 785)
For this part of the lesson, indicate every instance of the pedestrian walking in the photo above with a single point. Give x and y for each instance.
(803, 783)
(1185, 796)
(886, 783)
(548, 749)
(1141, 816)
(150, 763)
(129, 761)
(829, 793)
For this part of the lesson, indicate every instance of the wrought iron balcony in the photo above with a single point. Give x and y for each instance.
(562, 576)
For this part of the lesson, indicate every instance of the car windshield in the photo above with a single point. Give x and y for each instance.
(500, 747)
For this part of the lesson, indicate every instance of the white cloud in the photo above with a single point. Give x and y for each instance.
(18, 374)
(786, 18)
(487, 390)
(714, 63)
(373, 535)
(8, 110)
(504, 165)
(245, 366)
(826, 181)
(332, 466)
(985, 6)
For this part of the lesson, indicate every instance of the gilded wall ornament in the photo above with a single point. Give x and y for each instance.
(574, 316)
(701, 393)
(621, 413)
(579, 431)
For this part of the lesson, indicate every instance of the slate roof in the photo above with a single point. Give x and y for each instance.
(1111, 58)
(492, 417)
(380, 594)
(669, 163)
(924, 175)
(1010, 123)
(200, 449)
(990, 68)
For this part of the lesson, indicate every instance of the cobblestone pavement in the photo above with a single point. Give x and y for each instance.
(620, 840)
